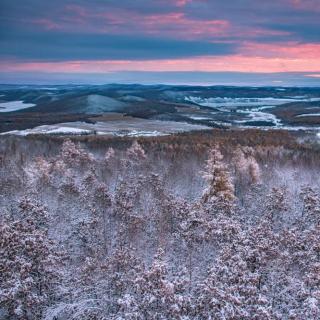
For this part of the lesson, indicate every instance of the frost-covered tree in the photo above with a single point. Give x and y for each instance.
(254, 170)
(155, 296)
(29, 263)
(236, 286)
(220, 187)
(133, 158)
(311, 206)
(109, 154)
(246, 168)
(111, 210)
(135, 152)
(276, 205)
(73, 154)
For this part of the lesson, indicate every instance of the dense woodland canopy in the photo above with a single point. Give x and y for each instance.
(222, 225)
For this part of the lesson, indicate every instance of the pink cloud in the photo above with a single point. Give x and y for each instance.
(122, 21)
(290, 50)
(182, 3)
(316, 75)
(236, 63)
(313, 5)
(76, 9)
(178, 23)
(46, 24)
(173, 24)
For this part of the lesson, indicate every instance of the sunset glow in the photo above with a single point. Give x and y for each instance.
(160, 36)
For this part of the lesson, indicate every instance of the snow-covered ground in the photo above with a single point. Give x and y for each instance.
(224, 102)
(254, 116)
(308, 115)
(250, 109)
(67, 130)
(125, 127)
(193, 117)
(49, 129)
(14, 106)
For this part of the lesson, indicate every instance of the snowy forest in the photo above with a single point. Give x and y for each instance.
(215, 225)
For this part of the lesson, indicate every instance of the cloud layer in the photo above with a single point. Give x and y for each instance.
(159, 35)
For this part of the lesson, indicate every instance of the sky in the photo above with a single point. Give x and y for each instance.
(234, 42)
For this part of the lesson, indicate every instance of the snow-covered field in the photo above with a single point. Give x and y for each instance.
(125, 127)
(219, 102)
(250, 110)
(260, 116)
(308, 115)
(14, 106)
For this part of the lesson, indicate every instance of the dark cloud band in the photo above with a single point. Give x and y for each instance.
(53, 46)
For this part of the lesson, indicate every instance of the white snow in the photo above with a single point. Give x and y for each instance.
(308, 115)
(15, 132)
(256, 114)
(261, 116)
(48, 88)
(135, 133)
(49, 129)
(66, 130)
(14, 106)
(251, 108)
(127, 127)
(218, 102)
(198, 117)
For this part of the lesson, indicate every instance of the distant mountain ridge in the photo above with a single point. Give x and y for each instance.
(213, 106)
